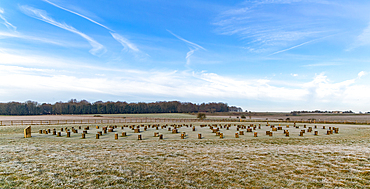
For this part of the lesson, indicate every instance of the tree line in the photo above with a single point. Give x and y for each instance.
(322, 112)
(84, 107)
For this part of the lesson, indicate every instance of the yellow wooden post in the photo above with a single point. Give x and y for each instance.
(27, 132)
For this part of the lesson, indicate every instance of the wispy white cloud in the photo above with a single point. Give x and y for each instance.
(362, 73)
(361, 40)
(293, 1)
(39, 39)
(192, 47)
(186, 41)
(253, 89)
(280, 1)
(125, 42)
(78, 14)
(6, 23)
(208, 85)
(190, 53)
(292, 47)
(161, 83)
(34, 59)
(7, 34)
(97, 48)
(307, 42)
(322, 64)
(364, 37)
(30, 74)
(31, 59)
(278, 24)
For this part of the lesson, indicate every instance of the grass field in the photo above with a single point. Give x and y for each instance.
(284, 115)
(214, 116)
(46, 161)
(159, 115)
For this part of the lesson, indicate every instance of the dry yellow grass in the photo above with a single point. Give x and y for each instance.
(46, 161)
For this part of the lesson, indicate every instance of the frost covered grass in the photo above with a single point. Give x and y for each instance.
(157, 115)
(46, 161)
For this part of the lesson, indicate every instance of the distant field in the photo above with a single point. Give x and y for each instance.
(161, 115)
(97, 116)
(215, 116)
(46, 161)
(299, 117)
(49, 117)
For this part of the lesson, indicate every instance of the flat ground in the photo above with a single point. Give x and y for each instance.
(303, 116)
(47, 161)
(220, 115)
(96, 116)
(99, 118)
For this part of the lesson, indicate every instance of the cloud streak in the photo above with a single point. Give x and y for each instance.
(322, 64)
(6, 23)
(299, 45)
(307, 42)
(361, 40)
(78, 14)
(262, 25)
(97, 48)
(291, 48)
(192, 47)
(38, 39)
(125, 42)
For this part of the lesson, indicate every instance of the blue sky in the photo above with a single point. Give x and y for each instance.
(267, 55)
